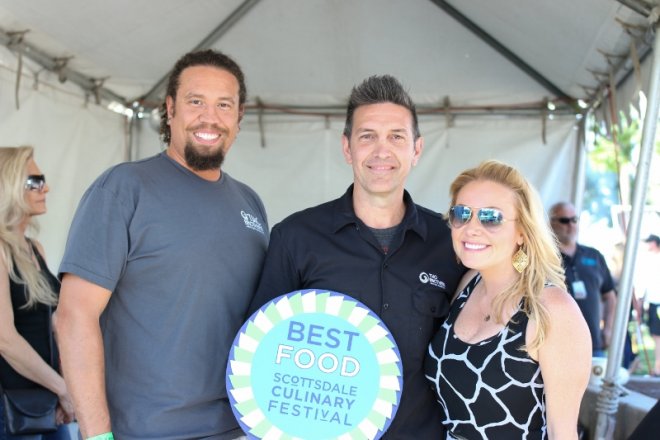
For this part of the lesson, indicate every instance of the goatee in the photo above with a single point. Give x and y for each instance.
(203, 162)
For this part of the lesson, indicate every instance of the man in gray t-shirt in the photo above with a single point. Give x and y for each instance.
(160, 264)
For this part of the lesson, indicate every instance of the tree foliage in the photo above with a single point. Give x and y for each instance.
(618, 152)
(614, 151)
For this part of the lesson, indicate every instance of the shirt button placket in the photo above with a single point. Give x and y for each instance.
(384, 266)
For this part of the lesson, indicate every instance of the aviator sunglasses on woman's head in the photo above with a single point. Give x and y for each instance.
(35, 182)
(460, 215)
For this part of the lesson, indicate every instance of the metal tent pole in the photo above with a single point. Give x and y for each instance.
(238, 13)
(580, 170)
(608, 398)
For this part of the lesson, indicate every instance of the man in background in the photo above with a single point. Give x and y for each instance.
(588, 278)
(162, 259)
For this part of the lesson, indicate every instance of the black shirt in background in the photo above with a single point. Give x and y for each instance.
(33, 324)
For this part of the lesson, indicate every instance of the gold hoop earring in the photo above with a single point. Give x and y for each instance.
(520, 260)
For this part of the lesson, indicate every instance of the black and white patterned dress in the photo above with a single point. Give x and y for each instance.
(490, 389)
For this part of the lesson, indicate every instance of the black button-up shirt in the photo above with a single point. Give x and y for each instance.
(328, 247)
(588, 265)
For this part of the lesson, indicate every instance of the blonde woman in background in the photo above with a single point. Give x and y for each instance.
(28, 290)
(513, 358)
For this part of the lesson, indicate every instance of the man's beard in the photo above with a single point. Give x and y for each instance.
(201, 162)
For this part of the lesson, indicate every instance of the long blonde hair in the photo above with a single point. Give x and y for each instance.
(538, 243)
(13, 211)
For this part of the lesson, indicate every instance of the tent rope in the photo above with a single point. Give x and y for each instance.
(608, 398)
(16, 40)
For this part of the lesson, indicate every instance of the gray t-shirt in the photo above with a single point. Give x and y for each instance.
(182, 257)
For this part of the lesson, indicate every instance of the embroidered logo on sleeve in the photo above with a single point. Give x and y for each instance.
(252, 222)
(432, 279)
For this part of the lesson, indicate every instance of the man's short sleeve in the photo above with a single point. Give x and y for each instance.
(98, 242)
(608, 282)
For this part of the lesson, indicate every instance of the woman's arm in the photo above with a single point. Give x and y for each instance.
(18, 353)
(565, 360)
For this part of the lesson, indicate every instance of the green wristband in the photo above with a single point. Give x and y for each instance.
(104, 436)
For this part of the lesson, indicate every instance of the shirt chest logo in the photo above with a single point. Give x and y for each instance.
(432, 279)
(252, 222)
(586, 261)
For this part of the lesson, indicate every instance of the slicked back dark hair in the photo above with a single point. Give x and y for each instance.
(207, 57)
(377, 90)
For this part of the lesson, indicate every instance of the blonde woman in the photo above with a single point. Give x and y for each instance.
(513, 358)
(28, 290)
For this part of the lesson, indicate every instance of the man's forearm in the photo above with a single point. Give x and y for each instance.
(81, 351)
(610, 309)
(609, 302)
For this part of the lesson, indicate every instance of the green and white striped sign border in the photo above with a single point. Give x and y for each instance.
(239, 383)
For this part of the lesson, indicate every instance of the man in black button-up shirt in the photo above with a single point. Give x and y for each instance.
(376, 245)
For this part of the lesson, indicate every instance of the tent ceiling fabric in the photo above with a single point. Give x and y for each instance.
(311, 53)
(307, 53)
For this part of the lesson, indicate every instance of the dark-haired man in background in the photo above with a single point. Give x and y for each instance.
(376, 245)
(159, 268)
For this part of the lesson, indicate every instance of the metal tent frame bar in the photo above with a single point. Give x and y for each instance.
(94, 86)
(154, 95)
(152, 99)
(502, 49)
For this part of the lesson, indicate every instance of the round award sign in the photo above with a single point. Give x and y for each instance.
(314, 365)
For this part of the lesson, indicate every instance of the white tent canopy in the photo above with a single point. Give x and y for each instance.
(305, 56)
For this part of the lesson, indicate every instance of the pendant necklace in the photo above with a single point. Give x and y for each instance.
(487, 317)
